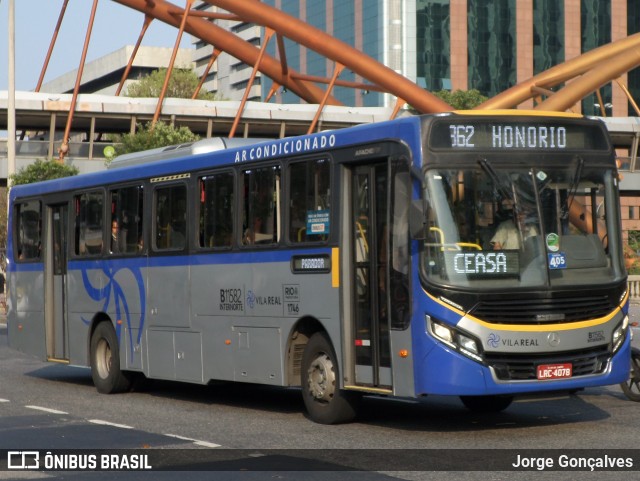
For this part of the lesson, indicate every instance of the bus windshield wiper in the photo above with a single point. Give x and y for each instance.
(488, 168)
(573, 188)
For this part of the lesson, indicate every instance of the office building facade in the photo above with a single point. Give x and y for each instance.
(488, 45)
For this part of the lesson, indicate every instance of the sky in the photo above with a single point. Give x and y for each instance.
(35, 20)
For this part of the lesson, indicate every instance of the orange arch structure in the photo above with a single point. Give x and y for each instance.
(572, 80)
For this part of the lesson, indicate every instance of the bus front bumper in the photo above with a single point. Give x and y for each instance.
(444, 371)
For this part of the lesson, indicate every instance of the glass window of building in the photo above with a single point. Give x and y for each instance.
(433, 44)
(492, 45)
(548, 34)
(633, 26)
(595, 21)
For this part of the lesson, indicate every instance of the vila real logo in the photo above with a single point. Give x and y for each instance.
(493, 340)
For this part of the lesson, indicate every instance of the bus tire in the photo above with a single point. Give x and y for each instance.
(487, 404)
(105, 361)
(631, 387)
(326, 403)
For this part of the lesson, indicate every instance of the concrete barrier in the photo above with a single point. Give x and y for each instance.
(634, 289)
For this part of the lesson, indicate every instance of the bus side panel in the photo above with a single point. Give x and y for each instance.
(169, 294)
(81, 309)
(25, 318)
(247, 311)
(115, 288)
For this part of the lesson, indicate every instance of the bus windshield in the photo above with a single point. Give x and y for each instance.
(500, 226)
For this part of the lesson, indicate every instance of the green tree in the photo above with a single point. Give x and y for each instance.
(148, 136)
(461, 99)
(182, 85)
(42, 170)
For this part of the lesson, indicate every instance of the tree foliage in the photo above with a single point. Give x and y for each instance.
(42, 170)
(182, 85)
(149, 136)
(461, 99)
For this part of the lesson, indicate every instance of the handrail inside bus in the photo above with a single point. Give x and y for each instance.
(456, 246)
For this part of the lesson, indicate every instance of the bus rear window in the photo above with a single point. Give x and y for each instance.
(28, 228)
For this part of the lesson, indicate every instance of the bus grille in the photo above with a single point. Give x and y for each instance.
(516, 367)
(542, 311)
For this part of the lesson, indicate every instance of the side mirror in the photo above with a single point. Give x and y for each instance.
(416, 220)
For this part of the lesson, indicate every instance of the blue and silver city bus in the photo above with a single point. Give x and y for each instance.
(475, 254)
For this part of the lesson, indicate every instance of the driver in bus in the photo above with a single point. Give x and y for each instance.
(513, 231)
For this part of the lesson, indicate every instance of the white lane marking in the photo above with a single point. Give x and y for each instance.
(107, 423)
(46, 410)
(194, 441)
(4, 401)
(205, 444)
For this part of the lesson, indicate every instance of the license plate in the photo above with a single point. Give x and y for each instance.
(555, 371)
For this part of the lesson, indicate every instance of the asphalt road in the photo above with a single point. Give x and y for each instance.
(230, 431)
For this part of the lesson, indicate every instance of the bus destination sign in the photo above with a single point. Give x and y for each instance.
(491, 135)
(319, 264)
(483, 264)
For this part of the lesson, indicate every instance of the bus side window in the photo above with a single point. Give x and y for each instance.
(309, 201)
(29, 230)
(88, 223)
(126, 220)
(260, 206)
(170, 230)
(216, 210)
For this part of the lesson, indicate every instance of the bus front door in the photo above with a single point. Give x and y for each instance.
(56, 330)
(371, 321)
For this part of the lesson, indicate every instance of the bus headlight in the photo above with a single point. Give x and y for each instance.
(452, 337)
(468, 346)
(619, 334)
(442, 332)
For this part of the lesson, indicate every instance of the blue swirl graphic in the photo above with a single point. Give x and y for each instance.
(493, 340)
(251, 299)
(112, 291)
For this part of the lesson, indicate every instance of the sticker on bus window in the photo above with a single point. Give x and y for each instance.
(553, 242)
(557, 260)
(317, 222)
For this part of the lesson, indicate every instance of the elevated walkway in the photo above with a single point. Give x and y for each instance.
(43, 118)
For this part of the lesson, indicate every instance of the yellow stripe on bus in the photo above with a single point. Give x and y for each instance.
(567, 326)
(508, 112)
(335, 267)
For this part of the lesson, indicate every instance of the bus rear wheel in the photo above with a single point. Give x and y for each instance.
(326, 403)
(105, 361)
(487, 404)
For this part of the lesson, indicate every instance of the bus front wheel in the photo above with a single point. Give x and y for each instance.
(487, 404)
(326, 403)
(105, 361)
